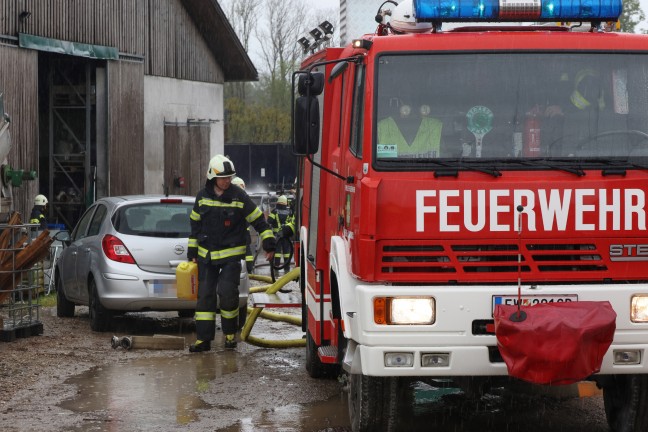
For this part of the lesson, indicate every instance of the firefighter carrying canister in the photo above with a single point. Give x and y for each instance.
(282, 221)
(219, 221)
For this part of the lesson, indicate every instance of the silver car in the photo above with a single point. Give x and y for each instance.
(122, 257)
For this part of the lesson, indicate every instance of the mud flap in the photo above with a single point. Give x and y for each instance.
(554, 343)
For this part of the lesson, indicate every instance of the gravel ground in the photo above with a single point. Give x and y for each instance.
(34, 372)
(35, 385)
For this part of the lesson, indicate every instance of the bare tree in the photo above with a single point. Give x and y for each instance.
(284, 23)
(242, 16)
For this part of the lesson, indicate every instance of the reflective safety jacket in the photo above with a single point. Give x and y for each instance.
(37, 217)
(280, 217)
(426, 142)
(219, 225)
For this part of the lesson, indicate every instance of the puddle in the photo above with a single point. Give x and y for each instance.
(326, 416)
(147, 394)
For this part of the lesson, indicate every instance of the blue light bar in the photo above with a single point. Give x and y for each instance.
(517, 10)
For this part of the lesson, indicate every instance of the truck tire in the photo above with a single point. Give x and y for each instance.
(100, 317)
(314, 367)
(64, 307)
(379, 404)
(626, 403)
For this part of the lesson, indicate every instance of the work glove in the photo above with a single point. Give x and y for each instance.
(269, 244)
(192, 253)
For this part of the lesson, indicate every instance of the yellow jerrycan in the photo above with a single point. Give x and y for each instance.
(187, 280)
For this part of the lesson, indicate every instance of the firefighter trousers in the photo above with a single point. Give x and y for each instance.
(217, 287)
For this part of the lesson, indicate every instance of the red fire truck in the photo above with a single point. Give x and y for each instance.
(448, 172)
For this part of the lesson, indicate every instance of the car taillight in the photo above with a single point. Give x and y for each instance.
(170, 201)
(116, 250)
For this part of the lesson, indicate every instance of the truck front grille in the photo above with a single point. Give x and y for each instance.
(503, 261)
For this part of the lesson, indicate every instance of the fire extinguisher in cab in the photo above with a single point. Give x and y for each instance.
(531, 146)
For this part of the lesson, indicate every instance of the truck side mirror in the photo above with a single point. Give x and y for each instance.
(307, 124)
(306, 120)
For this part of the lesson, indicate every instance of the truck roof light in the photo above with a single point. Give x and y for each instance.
(362, 44)
(517, 10)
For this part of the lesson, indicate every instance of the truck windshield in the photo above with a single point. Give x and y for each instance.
(518, 109)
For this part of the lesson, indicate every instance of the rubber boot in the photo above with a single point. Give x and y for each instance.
(230, 341)
(200, 346)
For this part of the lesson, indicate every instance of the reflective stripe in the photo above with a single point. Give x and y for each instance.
(226, 253)
(192, 242)
(221, 254)
(254, 215)
(205, 316)
(249, 258)
(229, 314)
(194, 216)
(578, 100)
(266, 234)
(34, 221)
(215, 203)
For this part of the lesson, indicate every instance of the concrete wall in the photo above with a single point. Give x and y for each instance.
(176, 101)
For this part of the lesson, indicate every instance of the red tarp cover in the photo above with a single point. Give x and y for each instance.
(557, 343)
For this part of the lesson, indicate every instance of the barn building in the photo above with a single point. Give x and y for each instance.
(114, 97)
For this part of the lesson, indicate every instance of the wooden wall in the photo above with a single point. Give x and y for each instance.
(159, 30)
(19, 83)
(175, 48)
(125, 128)
(186, 152)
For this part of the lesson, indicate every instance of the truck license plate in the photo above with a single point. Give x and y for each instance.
(532, 300)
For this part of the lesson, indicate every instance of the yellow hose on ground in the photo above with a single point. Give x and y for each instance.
(258, 311)
(261, 278)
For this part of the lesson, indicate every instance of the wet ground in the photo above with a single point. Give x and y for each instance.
(71, 379)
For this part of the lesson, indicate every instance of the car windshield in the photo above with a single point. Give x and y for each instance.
(154, 219)
(511, 110)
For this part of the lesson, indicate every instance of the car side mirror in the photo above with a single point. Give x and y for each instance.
(64, 237)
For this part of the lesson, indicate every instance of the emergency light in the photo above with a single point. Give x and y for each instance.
(517, 10)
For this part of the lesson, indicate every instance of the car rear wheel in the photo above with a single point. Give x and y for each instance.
(186, 313)
(100, 317)
(64, 307)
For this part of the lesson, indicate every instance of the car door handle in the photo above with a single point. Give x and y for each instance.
(175, 263)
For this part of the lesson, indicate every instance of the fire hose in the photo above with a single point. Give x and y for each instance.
(254, 313)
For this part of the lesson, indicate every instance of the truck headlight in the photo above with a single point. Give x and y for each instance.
(404, 310)
(639, 308)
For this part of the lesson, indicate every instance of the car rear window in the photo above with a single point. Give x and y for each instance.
(154, 220)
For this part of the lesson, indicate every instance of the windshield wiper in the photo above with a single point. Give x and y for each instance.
(451, 167)
(549, 164)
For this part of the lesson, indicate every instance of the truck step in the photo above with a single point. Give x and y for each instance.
(327, 354)
(276, 300)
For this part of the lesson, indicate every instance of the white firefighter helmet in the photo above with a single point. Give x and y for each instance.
(238, 181)
(40, 200)
(403, 20)
(283, 200)
(220, 166)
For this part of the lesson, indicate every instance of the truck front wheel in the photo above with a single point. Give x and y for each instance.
(626, 403)
(380, 404)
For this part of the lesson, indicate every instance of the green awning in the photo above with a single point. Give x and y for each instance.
(67, 47)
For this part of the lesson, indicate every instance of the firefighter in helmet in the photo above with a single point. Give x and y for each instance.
(249, 256)
(219, 222)
(38, 212)
(282, 221)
